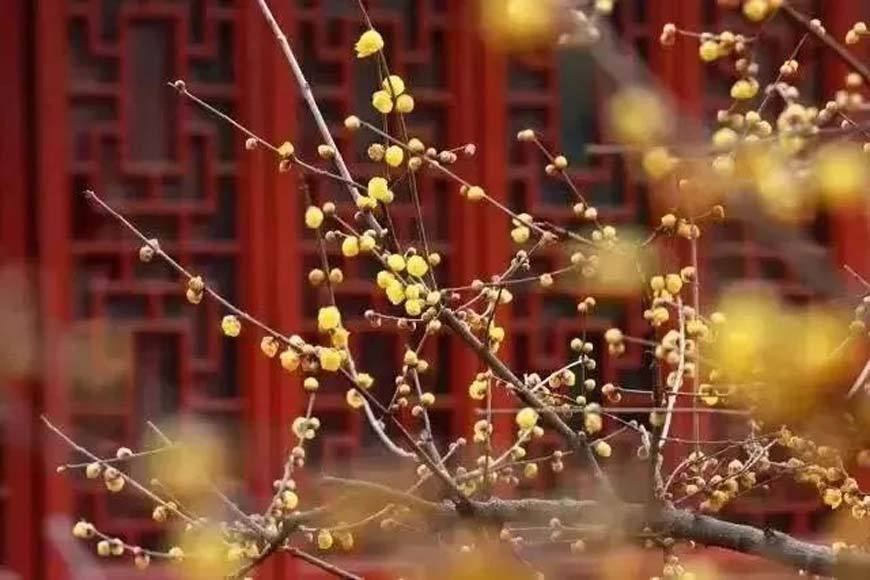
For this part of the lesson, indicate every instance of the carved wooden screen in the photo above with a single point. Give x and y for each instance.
(122, 344)
(562, 96)
(104, 119)
(420, 47)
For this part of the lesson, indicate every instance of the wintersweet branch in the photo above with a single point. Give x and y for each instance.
(308, 96)
(576, 440)
(832, 43)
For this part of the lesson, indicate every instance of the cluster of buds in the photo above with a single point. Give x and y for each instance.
(195, 290)
(715, 46)
(615, 341)
(393, 96)
(586, 212)
(823, 467)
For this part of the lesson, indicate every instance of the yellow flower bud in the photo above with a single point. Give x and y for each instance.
(395, 292)
(269, 346)
(592, 423)
(405, 104)
(602, 449)
(378, 188)
(744, 89)
(289, 499)
(396, 262)
(328, 318)
(289, 360)
(93, 470)
(231, 326)
(530, 471)
(709, 51)
(313, 217)
(364, 380)
(756, 10)
(369, 43)
(324, 540)
(385, 278)
(83, 530)
(673, 283)
(417, 266)
(340, 337)
(394, 155)
(286, 149)
(354, 399)
(475, 193)
(394, 85)
(382, 102)
(414, 307)
(520, 234)
(527, 418)
(350, 246)
(367, 243)
(330, 359)
(613, 336)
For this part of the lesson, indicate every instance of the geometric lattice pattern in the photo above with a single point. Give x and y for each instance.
(122, 344)
(173, 171)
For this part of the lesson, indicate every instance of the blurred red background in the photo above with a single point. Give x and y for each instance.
(101, 343)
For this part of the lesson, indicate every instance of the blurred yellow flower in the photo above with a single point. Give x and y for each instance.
(638, 116)
(841, 173)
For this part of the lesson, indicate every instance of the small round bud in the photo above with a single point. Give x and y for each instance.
(352, 123)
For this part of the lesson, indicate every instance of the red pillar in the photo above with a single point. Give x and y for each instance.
(53, 202)
(15, 140)
(850, 225)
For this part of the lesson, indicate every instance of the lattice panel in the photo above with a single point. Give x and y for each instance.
(416, 36)
(172, 171)
(562, 96)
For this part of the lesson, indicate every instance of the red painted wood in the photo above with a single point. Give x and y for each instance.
(19, 523)
(851, 224)
(263, 265)
(280, 105)
(464, 217)
(492, 226)
(268, 248)
(52, 187)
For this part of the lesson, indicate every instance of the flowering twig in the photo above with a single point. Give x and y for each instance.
(308, 96)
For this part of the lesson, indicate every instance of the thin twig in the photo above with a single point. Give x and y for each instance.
(308, 96)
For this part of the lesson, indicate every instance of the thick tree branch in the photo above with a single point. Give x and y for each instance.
(680, 524)
(768, 544)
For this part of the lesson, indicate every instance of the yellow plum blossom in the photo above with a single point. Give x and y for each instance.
(369, 43)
